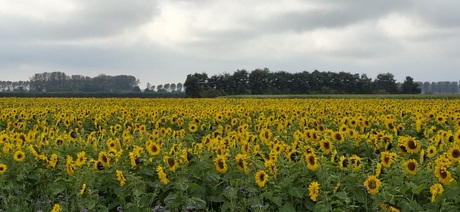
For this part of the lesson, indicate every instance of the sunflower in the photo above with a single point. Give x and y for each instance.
(457, 135)
(241, 163)
(265, 135)
(312, 161)
(162, 175)
(3, 168)
(372, 184)
(443, 175)
(386, 206)
(431, 151)
(412, 145)
(121, 177)
(313, 191)
(326, 146)
(111, 144)
(69, 165)
(153, 148)
(83, 188)
(171, 162)
(81, 159)
(356, 163)
(56, 208)
(378, 169)
(294, 156)
(436, 190)
(454, 153)
(220, 163)
(271, 166)
(343, 163)
(103, 159)
(261, 178)
(338, 137)
(192, 127)
(411, 166)
(386, 158)
(52, 161)
(19, 156)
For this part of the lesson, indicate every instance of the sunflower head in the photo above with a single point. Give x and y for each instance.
(19, 156)
(220, 163)
(261, 178)
(411, 166)
(313, 190)
(372, 184)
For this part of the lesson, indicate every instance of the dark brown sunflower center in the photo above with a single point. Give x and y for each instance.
(326, 145)
(411, 144)
(220, 164)
(411, 166)
(372, 184)
(443, 174)
(262, 177)
(311, 160)
(171, 162)
(456, 153)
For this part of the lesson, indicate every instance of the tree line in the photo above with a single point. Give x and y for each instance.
(59, 82)
(263, 81)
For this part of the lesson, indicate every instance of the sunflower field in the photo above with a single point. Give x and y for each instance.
(85, 154)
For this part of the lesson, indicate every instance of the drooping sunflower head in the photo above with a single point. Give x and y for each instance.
(372, 184)
(103, 159)
(343, 163)
(294, 156)
(220, 163)
(312, 161)
(241, 163)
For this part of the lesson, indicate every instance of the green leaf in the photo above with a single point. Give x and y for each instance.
(288, 207)
(417, 189)
(296, 192)
(147, 200)
(342, 195)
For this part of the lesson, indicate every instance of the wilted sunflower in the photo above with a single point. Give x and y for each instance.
(443, 175)
(19, 156)
(411, 166)
(454, 153)
(326, 146)
(220, 163)
(261, 178)
(153, 148)
(436, 190)
(313, 191)
(3, 168)
(312, 161)
(121, 177)
(372, 184)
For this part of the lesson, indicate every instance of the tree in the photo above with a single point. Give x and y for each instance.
(179, 87)
(385, 83)
(192, 86)
(409, 86)
(172, 87)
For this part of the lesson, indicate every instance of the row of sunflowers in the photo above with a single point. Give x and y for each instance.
(229, 154)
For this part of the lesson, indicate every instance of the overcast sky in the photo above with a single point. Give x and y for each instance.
(162, 41)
